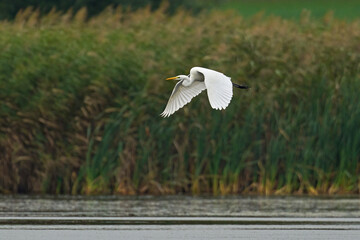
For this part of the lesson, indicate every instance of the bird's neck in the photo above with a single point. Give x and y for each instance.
(187, 81)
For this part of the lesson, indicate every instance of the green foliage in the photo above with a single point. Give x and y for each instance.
(80, 103)
(9, 9)
(292, 9)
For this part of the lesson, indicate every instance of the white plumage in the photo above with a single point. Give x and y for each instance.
(219, 89)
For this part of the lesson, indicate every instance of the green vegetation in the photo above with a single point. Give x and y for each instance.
(347, 9)
(80, 103)
(9, 9)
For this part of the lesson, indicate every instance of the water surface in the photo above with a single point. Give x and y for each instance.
(178, 217)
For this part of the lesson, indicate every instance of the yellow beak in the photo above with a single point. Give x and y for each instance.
(172, 78)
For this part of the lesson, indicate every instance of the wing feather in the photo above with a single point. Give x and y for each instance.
(219, 87)
(182, 95)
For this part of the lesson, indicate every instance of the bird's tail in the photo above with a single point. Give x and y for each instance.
(240, 86)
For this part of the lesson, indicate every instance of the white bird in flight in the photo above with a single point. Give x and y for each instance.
(219, 89)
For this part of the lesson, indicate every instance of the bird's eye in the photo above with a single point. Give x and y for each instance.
(189, 75)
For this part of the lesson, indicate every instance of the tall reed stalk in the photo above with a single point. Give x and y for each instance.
(80, 102)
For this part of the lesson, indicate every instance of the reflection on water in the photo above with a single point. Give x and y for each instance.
(175, 206)
(178, 217)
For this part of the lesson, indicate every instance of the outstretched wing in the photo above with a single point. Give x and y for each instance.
(219, 87)
(182, 95)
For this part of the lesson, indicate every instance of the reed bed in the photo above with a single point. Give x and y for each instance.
(80, 101)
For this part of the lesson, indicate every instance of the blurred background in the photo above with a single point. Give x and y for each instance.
(348, 9)
(82, 86)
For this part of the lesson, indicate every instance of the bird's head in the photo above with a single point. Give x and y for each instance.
(178, 77)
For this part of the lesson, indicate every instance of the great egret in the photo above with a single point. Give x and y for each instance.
(219, 89)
